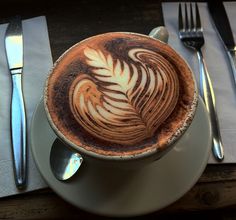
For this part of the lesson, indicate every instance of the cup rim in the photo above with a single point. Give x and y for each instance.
(151, 152)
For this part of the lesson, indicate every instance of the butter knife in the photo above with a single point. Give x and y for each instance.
(14, 52)
(221, 22)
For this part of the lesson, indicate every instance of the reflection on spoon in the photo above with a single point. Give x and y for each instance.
(64, 161)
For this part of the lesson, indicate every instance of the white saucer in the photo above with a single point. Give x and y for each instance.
(128, 193)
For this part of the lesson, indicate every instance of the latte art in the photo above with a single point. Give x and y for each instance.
(124, 102)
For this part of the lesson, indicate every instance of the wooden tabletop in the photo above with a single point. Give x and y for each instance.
(214, 195)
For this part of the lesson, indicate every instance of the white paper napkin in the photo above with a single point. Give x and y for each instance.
(37, 62)
(218, 67)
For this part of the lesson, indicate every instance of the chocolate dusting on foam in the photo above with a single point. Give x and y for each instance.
(75, 63)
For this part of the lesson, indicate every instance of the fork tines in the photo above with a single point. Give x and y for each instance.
(184, 25)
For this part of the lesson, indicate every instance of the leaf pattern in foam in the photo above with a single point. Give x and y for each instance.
(128, 102)
(107, 70)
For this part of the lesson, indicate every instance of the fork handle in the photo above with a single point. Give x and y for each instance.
(207, 93)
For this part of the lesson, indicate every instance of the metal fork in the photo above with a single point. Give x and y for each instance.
(191, 34)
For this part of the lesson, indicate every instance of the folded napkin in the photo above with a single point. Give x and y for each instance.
(218, 68)
(37, 62)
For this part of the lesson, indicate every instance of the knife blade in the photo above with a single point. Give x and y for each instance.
(222, 25)
(14, 53)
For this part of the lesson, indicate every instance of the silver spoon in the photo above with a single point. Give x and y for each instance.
(64, 161)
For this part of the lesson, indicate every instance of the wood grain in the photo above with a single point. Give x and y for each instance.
(216, 189)
(44, 204)
(219, 172)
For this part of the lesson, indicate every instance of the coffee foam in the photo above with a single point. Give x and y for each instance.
(117, 93)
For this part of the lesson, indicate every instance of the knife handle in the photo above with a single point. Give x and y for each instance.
(18, 131)
(207, 93)
(232, 58)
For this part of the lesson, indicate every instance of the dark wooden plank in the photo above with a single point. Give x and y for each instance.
(207, 196)
(76, 20)
(219, 172)
(102, 17)
(44, 204)
(216, 189)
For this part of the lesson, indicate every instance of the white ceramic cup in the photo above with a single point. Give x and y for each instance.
(160, 34)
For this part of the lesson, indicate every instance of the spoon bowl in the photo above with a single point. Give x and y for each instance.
(64, 161)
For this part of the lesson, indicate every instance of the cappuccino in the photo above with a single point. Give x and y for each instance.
(120, 94)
